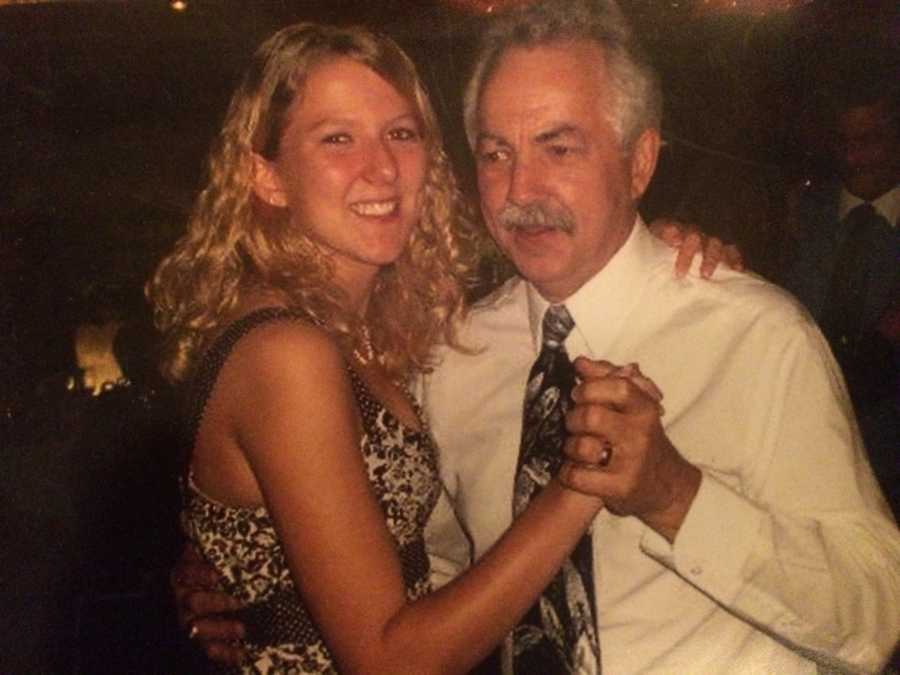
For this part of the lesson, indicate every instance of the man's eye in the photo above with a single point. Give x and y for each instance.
(337, 139)
(561, 150)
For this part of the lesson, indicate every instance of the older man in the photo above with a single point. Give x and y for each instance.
(744, 531)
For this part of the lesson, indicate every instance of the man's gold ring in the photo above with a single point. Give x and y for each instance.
(606, 455)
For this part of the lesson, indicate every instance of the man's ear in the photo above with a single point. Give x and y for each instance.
(643, 161)
(267, 183)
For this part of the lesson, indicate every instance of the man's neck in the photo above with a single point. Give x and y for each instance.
(556, 294)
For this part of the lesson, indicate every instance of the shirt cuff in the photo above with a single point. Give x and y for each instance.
(714, 542)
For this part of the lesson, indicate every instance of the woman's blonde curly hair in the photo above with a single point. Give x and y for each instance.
(236, 243)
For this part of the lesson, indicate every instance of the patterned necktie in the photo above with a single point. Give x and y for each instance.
(842, 319)
(558, 634)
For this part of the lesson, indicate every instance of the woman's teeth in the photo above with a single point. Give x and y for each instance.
(374, 208)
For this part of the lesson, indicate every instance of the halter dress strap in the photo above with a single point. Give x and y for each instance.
(214, 358)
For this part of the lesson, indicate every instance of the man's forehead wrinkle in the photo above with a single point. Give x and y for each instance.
(545, 118)
(538, 113)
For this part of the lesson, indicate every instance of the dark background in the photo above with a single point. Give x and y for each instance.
(108, 109)
(106, 112)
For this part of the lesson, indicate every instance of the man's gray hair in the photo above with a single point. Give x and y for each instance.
(638, 99)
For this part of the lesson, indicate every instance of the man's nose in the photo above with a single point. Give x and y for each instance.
(524, 182)
(382, 166)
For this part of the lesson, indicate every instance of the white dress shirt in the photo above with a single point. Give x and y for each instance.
(787, 553)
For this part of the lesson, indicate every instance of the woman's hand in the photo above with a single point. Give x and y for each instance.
(690, 241)
(630, 371)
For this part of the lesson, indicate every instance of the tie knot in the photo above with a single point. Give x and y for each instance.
(557, 325)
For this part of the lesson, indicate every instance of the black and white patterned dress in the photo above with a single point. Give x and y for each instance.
(242, 543)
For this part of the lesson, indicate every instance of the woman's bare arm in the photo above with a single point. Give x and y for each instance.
(293, 414)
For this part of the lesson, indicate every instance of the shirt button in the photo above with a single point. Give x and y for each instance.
(696, 569)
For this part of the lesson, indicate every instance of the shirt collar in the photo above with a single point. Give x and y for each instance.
(600, 306)
(888, 204)
(537, 305)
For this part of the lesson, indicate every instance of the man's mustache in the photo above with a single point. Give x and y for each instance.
(535, 216)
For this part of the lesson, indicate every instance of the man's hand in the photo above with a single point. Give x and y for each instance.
(631, 371)
(690, 241)
(200, 608)
(616, 419)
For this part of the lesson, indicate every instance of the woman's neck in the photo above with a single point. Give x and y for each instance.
(358, 290)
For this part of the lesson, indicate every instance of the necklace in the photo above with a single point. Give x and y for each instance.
(403, 385)
(364, 352)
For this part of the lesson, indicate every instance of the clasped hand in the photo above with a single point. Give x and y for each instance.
(618, 417)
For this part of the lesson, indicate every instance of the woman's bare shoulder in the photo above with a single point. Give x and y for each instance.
(285, 344)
